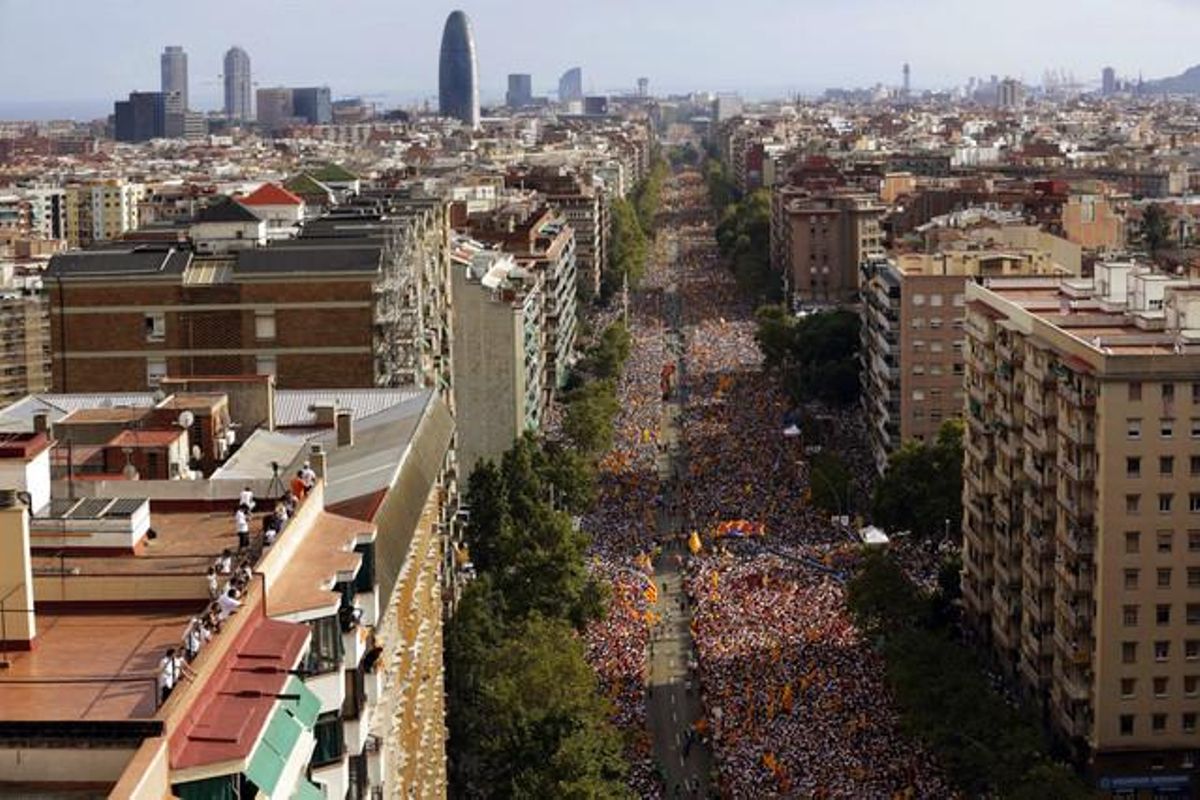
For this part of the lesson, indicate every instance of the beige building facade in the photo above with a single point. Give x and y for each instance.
(1081, 511)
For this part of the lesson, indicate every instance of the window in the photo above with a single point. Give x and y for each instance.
(1128, 687)
(1133, 428)
(1129, 614)
(935, 323)
(960, 299)
(1164, 502)
(1133, 467)
(1188, 721)
(957, 369)
(1128, 652)
(1193, 613)
(156, 370)
(325, 652)
(1191, 685)
(1158, 723)
(1194, 502)
(1162, 650)
(918, 299)
(1135, 391)
(1166, 465)
(1194, 541)
(918, 369)
(265, 365)
(1131, 579)
(156, 326)
(1127, 724)
(1166, 428)
(330, 742)
(1133, 541)
(917, 323)
(264, 324)
(1163, 577)
(1191, 649)
(1168, 392)
(918, 395)
(1132, 501)
(1195, 428)
(1160, 687)
(935, 300)
(1162, 614)
(1163, 541)
(1193, 574)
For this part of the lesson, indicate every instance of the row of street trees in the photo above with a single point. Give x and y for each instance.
(630, 240)
(988, 746)
(525, 714)
(744, 234)
(815, 356)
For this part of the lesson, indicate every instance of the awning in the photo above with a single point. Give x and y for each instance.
(306, 790)
(269, 758)
(293, 716)
(306, 707)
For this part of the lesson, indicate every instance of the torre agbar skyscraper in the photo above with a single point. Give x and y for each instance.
(458, 75)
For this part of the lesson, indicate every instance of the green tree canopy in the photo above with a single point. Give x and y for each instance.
(816, 356)
(1156, 228)
(921, 491)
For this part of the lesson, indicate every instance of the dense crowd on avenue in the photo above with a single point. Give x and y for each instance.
(622, 523)
(795, 701)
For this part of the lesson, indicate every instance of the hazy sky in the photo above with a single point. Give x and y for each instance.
(85, 53)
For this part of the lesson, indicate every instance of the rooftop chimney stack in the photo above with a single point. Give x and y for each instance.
(345, 427)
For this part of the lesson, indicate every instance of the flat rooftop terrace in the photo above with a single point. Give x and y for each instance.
(92, 666)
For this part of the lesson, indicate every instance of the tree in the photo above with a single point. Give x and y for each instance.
(627, 248)
(830, 483)
(587, 421)
(539, 726)
(882, 598)
(1156, 228)
(921, 491)
(816, 357)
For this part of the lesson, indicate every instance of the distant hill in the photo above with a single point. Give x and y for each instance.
(1187, 83)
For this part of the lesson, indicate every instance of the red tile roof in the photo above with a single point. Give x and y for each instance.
(270, 194)
(238, 700)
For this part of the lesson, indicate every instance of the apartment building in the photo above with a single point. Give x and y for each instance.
(912, 325)
(499, 357)
(360, 300)
(320, 682)
(826, 236)
(539, 239)
(1081, 547)
(102, 211)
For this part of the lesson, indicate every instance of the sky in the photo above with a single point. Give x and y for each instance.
(83, 54)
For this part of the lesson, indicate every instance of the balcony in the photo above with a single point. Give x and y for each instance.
(1037, 439)
(1075, 684)
(1080, 471)
(1082, 433)
(1076, 581)
(1079, 503)
(1076, 395)
(1072, 650)
(1079, 539)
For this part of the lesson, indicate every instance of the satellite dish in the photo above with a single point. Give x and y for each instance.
(186, 418)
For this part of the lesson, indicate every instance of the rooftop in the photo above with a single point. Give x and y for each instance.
(270, 194)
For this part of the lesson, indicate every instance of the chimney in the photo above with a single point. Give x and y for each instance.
(325, 414)
(345, 427)
(316, 460)
(41, 423)
(17, 623)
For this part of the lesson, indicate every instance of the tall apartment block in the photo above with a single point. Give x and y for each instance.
(498, 351)
(1081, 522)
(24, 343)
(99, 212)
(912, 326)
(824, 237)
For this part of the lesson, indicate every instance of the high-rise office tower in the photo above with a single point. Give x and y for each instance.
(520, 91)
(314, 104)
(907, 79)
(458, 73)
(570, 85)
(238, 102)
(140, 118)
(643, 87)
(174, 72)
(1108, 81)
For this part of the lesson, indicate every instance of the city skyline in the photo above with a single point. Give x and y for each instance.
(781, 49)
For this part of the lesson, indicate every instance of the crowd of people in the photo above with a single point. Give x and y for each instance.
(794, 700)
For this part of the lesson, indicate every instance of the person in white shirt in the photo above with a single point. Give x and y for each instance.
(308, 476)
(241, 520)
(213, 588)
(225, 563)
(171, 670)
(246, 498)
(228, 603)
